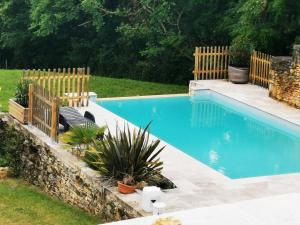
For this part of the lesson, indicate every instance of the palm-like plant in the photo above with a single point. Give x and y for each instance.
(81, 137)
(125, 154)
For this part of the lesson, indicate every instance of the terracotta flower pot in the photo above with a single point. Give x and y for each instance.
(125, 189)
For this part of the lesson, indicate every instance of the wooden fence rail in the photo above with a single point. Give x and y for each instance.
(260, 67)
(70, 85)
(43, 110)
(211, 63)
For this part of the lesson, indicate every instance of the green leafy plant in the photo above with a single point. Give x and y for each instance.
(126, 154)
(22, 93)
(81, 137)
(11, 147)
(240, 52)
(297, 40)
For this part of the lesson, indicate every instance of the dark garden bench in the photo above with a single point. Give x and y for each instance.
(70, 117)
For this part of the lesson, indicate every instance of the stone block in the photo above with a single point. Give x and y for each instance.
(285, 80)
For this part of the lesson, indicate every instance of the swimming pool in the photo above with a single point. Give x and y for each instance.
(237, 140)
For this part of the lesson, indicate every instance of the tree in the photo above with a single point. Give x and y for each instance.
(271, 25)
(14, 35)
(140, 39)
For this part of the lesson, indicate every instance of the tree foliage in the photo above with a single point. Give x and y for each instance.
(271, 25)
(141, 39)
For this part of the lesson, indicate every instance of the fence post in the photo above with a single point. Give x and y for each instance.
(88, 86)
(30, 104)
(54, 118)
(196, 64)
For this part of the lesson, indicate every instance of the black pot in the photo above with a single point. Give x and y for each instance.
(238, 75)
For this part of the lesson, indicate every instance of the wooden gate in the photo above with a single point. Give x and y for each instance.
(70, 85)
(43, 110)
(211, 63)
(260, 67)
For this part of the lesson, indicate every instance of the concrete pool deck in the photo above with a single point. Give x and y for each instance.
(279, 210)
(251, 95)
(198, 185)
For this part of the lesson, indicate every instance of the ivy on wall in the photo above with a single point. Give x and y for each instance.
(11, 147)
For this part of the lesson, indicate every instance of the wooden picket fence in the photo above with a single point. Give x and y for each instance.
(211, 63)
(70, 85)
(260, 67)
(43, 110)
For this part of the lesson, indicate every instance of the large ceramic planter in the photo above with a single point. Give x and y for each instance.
(18, 112)
(4, 171)
(125, 189)
(238, 75)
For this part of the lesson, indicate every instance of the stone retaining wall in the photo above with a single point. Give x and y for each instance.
(59, 173)
(285, 81)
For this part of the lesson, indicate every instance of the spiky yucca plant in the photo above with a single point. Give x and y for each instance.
(125, 154)
(82, 137)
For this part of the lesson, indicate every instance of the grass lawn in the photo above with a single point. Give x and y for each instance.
(8, 85)
(103, 86)
(24, 204)
(112, 87)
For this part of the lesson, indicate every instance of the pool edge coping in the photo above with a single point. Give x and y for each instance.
(141, 97)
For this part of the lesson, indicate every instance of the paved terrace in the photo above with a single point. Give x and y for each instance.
(252, 95)
(199, 185)
(278, 210)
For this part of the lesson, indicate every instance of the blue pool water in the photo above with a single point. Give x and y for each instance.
(230, 137)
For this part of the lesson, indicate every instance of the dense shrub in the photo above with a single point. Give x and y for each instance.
(11, 147)
(297, 40)
(240, 52)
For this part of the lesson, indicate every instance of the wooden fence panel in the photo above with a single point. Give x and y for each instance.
(211, 63)
(43, 110)
(70, 85)
(260, 67)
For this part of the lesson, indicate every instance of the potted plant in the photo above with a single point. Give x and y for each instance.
(240, 53)
(126, 156)
(127, 185)
(18, 107)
